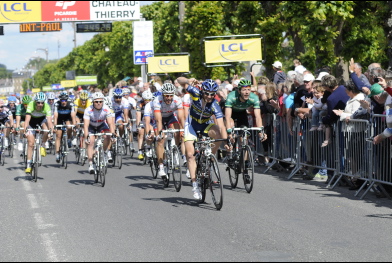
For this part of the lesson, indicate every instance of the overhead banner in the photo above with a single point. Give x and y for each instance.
(68, 83)
(36, 90)
(168, 64)
(57, 87)
(54, 11)
(86, 80)
(233, 50)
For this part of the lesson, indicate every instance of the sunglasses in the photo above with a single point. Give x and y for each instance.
(98, 101)
(210, 94)
(306, 82)
(168, 96)
(25, 104)
(117, 97)
(1, 107)
(51, 100)
(63, 100)
(40, 103)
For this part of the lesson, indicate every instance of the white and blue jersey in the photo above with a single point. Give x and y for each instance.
(119, 108)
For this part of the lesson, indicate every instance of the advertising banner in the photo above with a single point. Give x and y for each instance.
(86, 80)
(57, 11)
(57, 87)
(233, 50)
(168, 64)
(68, 83)
(36, 90)
(46, 88)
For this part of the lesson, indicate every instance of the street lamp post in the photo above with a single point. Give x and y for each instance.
(46, 52)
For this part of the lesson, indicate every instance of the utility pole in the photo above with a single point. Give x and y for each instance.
(74, 28)
(143, 67)
(181, 16)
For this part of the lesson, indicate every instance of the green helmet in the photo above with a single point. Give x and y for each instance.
(244, 83)
(26, 99)
(40, 96)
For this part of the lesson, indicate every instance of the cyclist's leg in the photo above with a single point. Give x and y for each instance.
(30, 143)
(59, 133)
(213, 131)
(140, 139)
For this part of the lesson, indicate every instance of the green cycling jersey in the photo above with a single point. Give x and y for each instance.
(21, 110)
(233, 101)
(32, 110)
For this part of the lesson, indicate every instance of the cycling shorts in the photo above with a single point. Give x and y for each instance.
(34, 123)
(103, 128)
(4, 121)
(167, 121)
(119, 117)
(241, 118)
(191, 128)
(80, 116)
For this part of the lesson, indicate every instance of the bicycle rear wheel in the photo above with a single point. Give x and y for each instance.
(176, 168)
(214, 182)
(11, 147)
(247, 168)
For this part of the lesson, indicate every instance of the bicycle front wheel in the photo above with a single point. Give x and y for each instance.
(215, 182)
(154, 163)
(35, 164)
(102, 170)
(2, 157)
(119, 155)
(176, 168)
(247, 165)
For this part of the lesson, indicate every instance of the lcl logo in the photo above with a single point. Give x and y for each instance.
(16, 7)
(230, 48)
(167, 62)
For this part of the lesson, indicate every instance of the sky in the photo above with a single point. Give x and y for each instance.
(17, 48)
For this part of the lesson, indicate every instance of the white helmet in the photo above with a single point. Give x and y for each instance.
(107, 101)
(168, 88)
(126, 91)
(147, 95)
(98, 95)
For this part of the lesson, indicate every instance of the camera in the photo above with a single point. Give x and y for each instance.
(375, 80)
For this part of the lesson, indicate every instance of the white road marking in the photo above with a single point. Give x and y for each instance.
(40, 222)
(33, 201)
(48, 244)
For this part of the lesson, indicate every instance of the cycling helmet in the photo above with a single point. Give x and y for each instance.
(107, 101)
(72, 97)
(63, 96)
(118, 92)
(168, 88)
(244, 83)
(51, 96)
(40, 97)
(147, 95)
(209, 85)
(126, 91)
(98, 95)
(26, 99)
(84, 95)
(11, 99)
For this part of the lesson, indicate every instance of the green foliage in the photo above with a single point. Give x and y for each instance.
(316, 32)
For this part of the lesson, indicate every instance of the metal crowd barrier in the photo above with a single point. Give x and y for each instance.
(350, 153)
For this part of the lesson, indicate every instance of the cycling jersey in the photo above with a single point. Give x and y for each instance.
(199, 113)
(64, 112)
(140, 106)
(98, 117)
(21, 111)
(233, 101)
(119, 108)
(149, 113)
(186, 100)
(167, 110)
(4, 115)
(45, 112)
(79, 106)
(13, 110)
(132, 102)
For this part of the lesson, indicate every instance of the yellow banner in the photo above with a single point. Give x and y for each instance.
(168, 64)
(68, 83)
(20, 11)
(233, 50)
(36, 90)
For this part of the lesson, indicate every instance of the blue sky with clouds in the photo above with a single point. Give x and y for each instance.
(17, 48)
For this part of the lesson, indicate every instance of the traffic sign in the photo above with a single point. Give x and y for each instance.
(140, 56)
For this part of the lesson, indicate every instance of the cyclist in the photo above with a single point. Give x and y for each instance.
(165, 106)
(140, 108)
(203, 106)
(149, 122)
(98, 118)
(120, 107)
(7, 120)
(236, 106)
(81, 104)
(20, 118)
(64, 113)
(38, 113)
(12, 106)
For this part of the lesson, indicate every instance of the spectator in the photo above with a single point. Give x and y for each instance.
(336, 101)
(298, 66)
(300, 106)
(291, 75)
(319, 109)
(279, 76)
(388, 131)
(358, 72)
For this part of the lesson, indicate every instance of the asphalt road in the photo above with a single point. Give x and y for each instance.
(65, 217)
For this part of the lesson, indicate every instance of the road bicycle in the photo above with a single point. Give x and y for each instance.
(129, 141)
(118, 147)
(99, 159)
(37, 159)
(64, 145)
(172, 160)
(79, 150)
(241, 160)
(2, 148)
(207, 170)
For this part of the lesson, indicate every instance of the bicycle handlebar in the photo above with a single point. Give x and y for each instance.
(60, 126)
(172, 130)
(248, 129)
